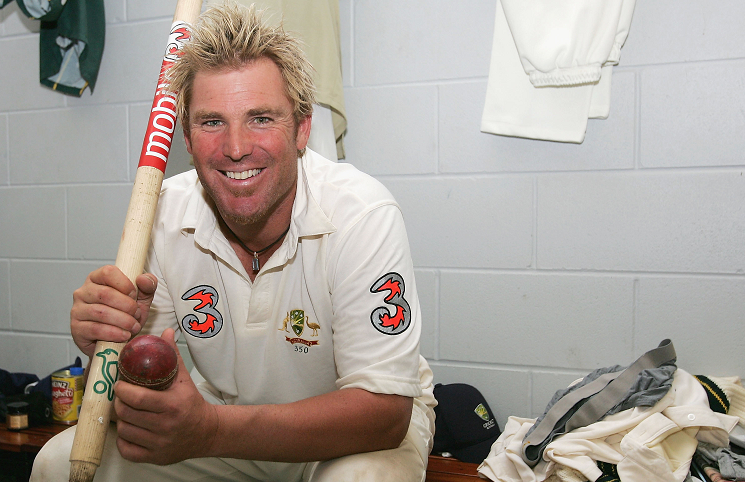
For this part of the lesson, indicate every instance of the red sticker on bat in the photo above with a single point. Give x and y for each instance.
(162, 123)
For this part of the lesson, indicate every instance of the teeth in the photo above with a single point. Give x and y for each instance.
(242, 175)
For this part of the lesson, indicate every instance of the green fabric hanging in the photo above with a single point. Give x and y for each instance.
(71, 41)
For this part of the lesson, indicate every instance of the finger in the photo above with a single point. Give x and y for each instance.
(82, 313)
(131, 442)
(136, 402)
(112, 276)
(134, 451)
(142, 405)
(132, 415)
(93, 331)
(95, 294)
(140, 427)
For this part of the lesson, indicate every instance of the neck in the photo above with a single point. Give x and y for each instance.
(256, 253)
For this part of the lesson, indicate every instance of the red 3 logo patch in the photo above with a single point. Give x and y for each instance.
(381, 317)
(206, 296)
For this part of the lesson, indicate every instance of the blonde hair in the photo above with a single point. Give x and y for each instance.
(229, 36)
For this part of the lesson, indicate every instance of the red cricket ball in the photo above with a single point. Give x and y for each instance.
(148, 361)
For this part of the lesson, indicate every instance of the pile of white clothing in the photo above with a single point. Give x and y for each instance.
(651, 444)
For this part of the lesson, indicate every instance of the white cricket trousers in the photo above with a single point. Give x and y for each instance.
(407, 463)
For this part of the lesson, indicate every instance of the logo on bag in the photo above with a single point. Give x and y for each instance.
(381, 317)
(210, 322)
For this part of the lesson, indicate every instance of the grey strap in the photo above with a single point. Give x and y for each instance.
(612, 394)
(603, 394)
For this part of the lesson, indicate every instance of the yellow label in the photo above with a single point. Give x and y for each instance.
(67, 396)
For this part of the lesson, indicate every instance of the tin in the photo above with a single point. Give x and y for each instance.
(67, 395)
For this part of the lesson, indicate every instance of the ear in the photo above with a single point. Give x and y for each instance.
(303, 133)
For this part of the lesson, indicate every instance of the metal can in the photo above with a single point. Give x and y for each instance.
(67, 395)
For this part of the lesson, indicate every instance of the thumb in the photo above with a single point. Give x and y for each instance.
(146, 285)
(169, 335)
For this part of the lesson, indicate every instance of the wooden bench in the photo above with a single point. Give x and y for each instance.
(18, 449)
(446, 469)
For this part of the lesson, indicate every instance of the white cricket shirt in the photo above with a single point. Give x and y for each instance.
(335, 306)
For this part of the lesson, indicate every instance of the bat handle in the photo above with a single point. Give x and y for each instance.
(95, 413)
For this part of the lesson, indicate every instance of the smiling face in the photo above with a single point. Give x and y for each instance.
(245, 142)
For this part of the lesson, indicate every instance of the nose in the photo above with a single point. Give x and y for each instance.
(237, 143)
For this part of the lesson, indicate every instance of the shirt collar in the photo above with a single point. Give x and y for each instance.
(308, 219)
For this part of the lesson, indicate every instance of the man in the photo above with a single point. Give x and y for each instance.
(290, 278)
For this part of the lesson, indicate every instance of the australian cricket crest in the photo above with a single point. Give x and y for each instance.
(296, 323)
(482, 412)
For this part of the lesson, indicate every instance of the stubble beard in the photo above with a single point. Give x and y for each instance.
(261, 213)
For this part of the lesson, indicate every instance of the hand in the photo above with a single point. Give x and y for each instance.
(108, 307)
(164, 427)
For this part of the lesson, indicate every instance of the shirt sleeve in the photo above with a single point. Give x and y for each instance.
(162, 312)
(376, 319)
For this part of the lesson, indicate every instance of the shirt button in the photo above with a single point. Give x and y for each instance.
(691, 417)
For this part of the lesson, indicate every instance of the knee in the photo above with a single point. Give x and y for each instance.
(52, 463)
(402, 464)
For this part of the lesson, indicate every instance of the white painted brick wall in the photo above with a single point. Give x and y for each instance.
(693, 114)
(3, 149)
(666, 31)
(401, 42)
(4, 295)
(662, 220)
(536, 261)
(130, 64)
(703, 315)
(19, 74)
(52, 279)
(33, 222)
(538, 319)
(116, 11)
(462, 222)
(95, 219)
(386, 135)
(80, 144)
